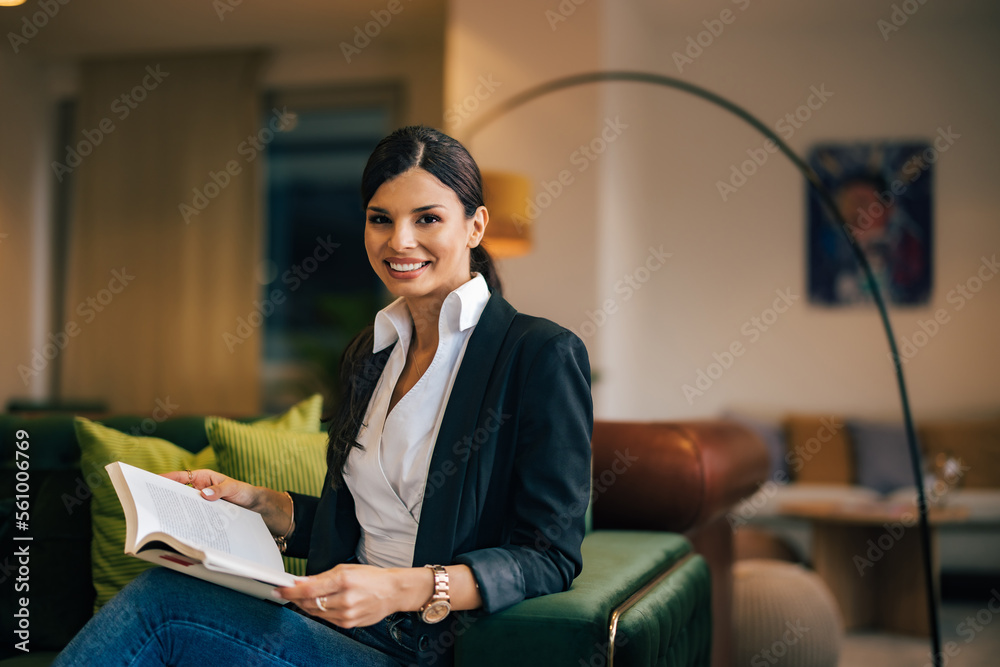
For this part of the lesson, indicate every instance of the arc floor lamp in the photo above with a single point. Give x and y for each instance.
(514, 241)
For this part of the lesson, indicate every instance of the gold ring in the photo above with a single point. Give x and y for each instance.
(319, 603)
(190, 481)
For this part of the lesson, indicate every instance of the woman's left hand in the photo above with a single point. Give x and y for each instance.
(353, 595)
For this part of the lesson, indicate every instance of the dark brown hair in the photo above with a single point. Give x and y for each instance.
(447, 160)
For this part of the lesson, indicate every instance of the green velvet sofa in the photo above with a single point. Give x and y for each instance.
(655, 588)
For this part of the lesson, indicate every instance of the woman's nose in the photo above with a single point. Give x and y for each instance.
(402, 237)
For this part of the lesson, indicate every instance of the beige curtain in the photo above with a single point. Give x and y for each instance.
(151, 293)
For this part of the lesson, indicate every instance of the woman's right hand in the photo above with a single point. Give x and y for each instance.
(272, 505)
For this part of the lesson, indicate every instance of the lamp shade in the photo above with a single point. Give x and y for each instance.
(509, 231)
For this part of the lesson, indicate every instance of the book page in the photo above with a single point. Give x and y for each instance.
(163, 505)
(187, 519)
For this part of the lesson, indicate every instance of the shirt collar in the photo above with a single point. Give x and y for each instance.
(461, 310)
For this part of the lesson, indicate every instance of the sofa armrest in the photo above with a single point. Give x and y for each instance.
(671, 618)
(681, 477)
(685, 474)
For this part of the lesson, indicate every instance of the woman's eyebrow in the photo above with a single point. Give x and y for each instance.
(419, 209)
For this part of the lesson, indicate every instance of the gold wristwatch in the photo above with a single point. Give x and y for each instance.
(439, 606)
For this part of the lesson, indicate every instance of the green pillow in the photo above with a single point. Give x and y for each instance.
(100, 445)
(303, 417)
(111, 568)
(280, 460)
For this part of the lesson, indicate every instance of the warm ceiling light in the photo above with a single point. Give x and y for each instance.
(11, 3)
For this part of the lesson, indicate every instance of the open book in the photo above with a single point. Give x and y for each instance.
(171, 524)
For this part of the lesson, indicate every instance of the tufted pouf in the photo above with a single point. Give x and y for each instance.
(783, 614)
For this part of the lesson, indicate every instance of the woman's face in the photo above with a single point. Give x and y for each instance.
(417, 236)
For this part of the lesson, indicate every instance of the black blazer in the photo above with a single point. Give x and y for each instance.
(509, 478)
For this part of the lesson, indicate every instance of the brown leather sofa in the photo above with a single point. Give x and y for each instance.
(680, 477)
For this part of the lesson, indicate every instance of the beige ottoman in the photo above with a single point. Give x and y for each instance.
(783, 614)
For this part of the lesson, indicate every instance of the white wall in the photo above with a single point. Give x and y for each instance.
(513, 46)
(25, 126)
(730, 257)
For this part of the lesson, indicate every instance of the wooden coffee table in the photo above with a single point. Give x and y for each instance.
(869, 555)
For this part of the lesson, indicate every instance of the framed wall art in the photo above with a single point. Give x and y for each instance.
(884, 192)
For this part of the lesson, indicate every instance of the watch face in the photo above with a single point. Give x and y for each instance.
(436, 612)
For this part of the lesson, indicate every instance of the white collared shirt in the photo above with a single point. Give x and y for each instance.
(388, 477)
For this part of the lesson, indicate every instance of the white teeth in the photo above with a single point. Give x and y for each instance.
(406, 267)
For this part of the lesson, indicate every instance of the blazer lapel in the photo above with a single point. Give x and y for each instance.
(436, 535)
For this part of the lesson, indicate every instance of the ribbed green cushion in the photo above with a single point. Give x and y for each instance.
(270, 457)
(673, 624)
(186, 431)
(303, 417)
(100, 445)
(565, 628)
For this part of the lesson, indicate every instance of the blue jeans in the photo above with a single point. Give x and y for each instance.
(167, 618)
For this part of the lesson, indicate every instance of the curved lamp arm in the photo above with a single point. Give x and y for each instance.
(826, 197)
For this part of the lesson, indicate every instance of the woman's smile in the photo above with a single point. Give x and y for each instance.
(405, 269)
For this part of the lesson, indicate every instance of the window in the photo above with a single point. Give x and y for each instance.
(315, 255)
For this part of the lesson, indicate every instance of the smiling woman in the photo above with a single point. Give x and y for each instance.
(414, 525)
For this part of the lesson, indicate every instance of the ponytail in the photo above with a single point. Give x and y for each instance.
(482, 262)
